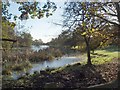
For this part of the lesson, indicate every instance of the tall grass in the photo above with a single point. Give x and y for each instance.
(24, 65)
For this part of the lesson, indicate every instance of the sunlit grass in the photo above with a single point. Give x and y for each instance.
(106, 56)
(103, 56)
(99, 57)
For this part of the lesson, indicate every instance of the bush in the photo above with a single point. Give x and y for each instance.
(50, 57)
(46, 54)
(58, 53)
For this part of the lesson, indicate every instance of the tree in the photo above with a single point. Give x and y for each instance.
(24, 39)
(115, 32)
(7, 33)
(63, 41)
(102, 38)
(8, 38)
(37, 42)
(78, 17)
(109, 12)
(29, 9)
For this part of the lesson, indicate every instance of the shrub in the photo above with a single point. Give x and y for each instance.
(46, 54)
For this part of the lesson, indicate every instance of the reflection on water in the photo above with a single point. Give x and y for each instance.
(48, 64)
(41, 47)
(53, 64)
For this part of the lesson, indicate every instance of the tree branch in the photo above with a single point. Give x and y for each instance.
(106, 20)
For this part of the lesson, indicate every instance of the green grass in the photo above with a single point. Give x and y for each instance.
(99, 57)
(103, 56)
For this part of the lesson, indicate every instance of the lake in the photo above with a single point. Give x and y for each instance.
(48, 64)
(58, 62)
(37, 48)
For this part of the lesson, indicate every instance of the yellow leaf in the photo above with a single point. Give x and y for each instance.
(84, 33)
(93, 30)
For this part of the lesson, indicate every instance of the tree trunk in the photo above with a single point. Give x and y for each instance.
(88, 52)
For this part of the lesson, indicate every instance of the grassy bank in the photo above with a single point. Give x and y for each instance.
(98, 57)
(104, 69)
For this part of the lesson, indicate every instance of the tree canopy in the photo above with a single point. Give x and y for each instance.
(91, 19)
(29, 10)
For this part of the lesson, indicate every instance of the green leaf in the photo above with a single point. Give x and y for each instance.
(83, 23)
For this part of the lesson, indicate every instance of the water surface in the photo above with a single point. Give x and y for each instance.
(48, 64)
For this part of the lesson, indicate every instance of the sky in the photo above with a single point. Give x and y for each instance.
(43, 28)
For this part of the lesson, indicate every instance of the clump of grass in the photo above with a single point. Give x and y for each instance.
(7, 78)
(6, 72)
(46, 54)
(18, 68)
(21, 66)
(58, 69)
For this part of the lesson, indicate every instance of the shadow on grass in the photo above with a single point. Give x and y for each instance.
(112, 48)
(102, 55)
